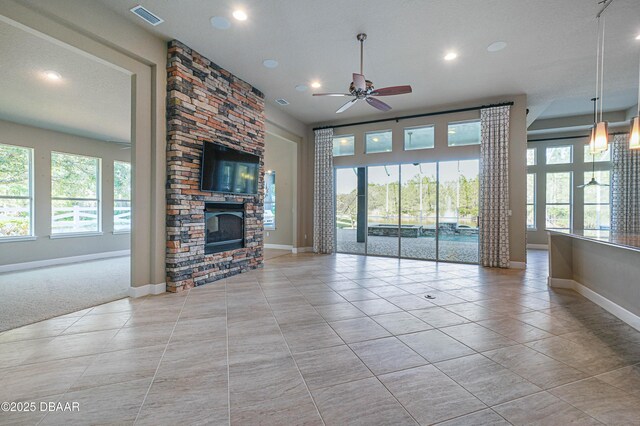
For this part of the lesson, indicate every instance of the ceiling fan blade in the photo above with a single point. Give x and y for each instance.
(346, 106)
(393, 90)
(376, 103)
(359, 82)
(582, 186)
(332, 94)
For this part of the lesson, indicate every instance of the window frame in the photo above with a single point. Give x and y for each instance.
(570, 203)
(474, 120)
(98, 200)
(273, 203)
(535, 157)
(534, 203)
(571, 154)
(585, 203)
(115, 200)
(30, 197)
(342, 137)
(404, 137)
(366, 141)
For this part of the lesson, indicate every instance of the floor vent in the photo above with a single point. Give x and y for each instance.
(282, 101)
(147, 16)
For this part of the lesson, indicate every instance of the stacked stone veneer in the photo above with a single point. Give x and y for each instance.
(206, 103)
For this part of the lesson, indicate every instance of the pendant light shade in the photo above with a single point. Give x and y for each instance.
(599, 138)
(634, 137)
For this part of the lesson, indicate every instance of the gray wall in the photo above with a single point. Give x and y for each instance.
(280, 155)
(43, 142)
(441, 152)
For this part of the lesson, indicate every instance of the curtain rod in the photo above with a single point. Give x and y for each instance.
(570, 137)
(407, 117)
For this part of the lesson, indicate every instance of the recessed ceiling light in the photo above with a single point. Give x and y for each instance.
(302, 87)
(220, 22)
(638, 37)
(316, 84)
(240, 15)
(52, 75)
(497, 46)
(270, 63)
(450, 56)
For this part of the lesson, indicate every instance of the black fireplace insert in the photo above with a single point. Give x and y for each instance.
(224, 227)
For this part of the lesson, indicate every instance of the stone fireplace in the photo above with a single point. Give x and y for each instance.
(210, 235)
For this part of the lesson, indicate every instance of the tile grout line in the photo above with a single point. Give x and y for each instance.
(226, 326)
(162, 357)
(289, 348)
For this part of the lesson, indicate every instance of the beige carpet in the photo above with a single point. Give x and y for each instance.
(35, 295)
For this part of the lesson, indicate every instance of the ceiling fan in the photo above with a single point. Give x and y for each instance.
(593, 181)
(363, 89)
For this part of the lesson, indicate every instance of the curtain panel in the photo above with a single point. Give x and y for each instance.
(625, 187)
(494, 187)
(323, 193)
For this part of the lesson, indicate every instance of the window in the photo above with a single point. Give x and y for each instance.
(270, 199)
(16, 200)
(596, 201)
(343, 145)
(600, 156)
(75, 194)
(419, 138)
(121, 196)
(464, 133)
(378, 142)
(559, 155)
(531, 157)
(531, 200)
(558, 211)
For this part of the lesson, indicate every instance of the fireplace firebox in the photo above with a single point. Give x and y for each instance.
(224, 227)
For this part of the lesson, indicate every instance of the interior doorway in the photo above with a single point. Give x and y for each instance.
(65, 179)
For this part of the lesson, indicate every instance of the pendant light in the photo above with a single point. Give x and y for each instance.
(634, 137)
(600, 133)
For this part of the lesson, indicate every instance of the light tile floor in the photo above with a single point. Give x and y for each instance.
(335, 340)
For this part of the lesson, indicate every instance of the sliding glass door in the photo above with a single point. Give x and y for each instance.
(383, 205)
(458, 189)
(418, 211)
(350, 204)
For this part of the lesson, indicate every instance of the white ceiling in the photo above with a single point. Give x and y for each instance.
(550, 54)
(92, 99)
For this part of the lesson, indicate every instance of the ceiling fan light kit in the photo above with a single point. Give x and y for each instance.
(363, 89)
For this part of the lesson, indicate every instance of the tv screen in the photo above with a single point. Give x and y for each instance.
(228, 170)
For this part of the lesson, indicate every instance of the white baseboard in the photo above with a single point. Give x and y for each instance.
(63, 260)
(538, 246)
(278, 246)
(629, 317)
(561, 283)
(302, 250)
(145, 290)
(517, 265)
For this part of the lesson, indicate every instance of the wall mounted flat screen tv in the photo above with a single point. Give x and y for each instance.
(228, 170)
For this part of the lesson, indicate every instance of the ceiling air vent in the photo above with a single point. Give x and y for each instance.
(282, 101)
(147, 16)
